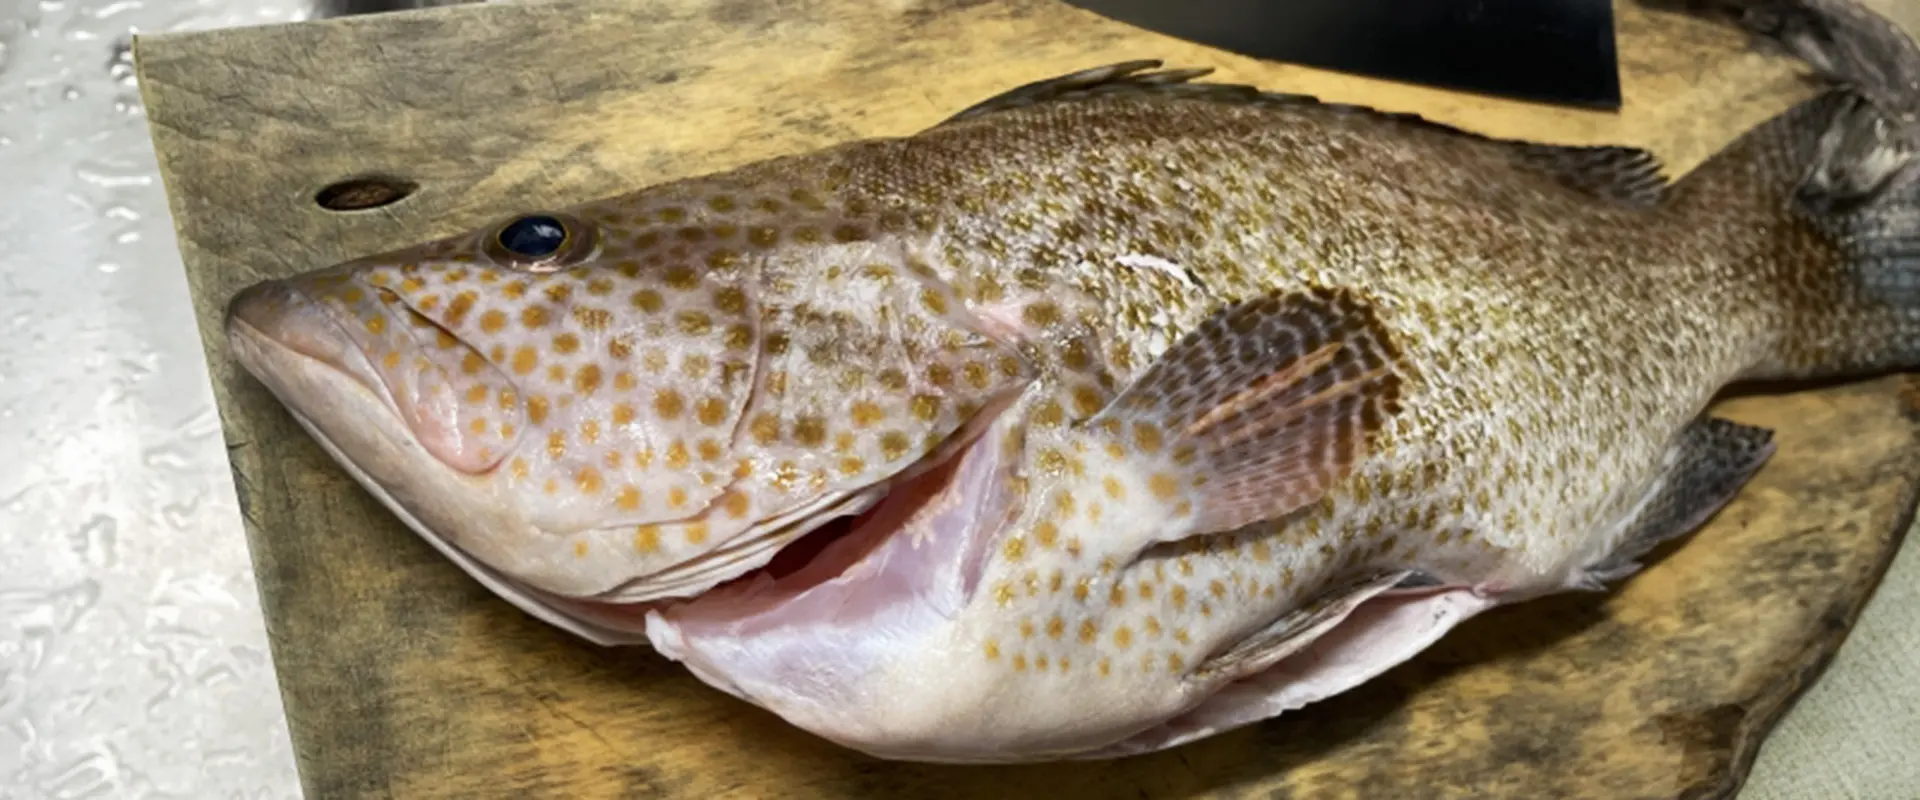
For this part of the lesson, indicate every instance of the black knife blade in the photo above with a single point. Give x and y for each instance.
(1551, 51)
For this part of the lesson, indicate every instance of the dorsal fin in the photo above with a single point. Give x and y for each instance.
(1621, 174)
(1626, 175)
(1123, 77)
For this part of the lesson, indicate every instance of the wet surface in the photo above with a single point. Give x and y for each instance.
(133, 660)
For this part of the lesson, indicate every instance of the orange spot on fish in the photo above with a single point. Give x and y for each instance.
(646, 538)
(524, 360)
(1045, 533)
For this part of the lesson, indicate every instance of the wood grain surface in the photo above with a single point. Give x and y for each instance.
(403, 678)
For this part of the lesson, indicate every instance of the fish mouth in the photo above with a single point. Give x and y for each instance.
(278, 314)
(372, 337)
(297, 348)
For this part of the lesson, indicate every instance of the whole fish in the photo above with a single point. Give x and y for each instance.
(1114, 412)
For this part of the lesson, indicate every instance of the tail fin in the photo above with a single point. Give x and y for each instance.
(1850, 159)
(1871, 143)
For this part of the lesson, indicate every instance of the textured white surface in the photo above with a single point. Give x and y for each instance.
(1856, 733)
(133, 662)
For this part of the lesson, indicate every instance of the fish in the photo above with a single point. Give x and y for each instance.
(1116, 411)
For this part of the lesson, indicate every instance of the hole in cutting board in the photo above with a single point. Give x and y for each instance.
(365, 192)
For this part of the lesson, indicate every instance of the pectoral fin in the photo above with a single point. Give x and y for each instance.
(1707, 465)
(1258, 411)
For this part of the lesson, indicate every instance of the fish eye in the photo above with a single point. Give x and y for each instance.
(536, 236)
(541, 242)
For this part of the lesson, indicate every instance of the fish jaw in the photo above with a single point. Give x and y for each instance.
(297, 349)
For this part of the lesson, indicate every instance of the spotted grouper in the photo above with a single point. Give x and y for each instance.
(1113, 412)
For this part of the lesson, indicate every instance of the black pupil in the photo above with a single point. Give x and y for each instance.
(534, 237)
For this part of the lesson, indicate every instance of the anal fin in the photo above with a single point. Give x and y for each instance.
(1378, 634)
(1707, 464)
(1297, 628)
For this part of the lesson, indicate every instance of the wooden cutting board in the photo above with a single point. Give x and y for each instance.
(404, 678)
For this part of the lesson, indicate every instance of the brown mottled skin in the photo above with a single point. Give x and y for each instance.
(1547, 320)
(1552, 341)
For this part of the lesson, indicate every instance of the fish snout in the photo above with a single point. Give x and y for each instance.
(458, 405)
(277, 313)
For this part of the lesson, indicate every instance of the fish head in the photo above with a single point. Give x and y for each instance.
(633, 399)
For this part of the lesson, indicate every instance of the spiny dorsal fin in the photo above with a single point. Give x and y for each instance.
(1622, 174)
(1135, 77)
(1126, 76)
(1262, 408)
(1626, 175)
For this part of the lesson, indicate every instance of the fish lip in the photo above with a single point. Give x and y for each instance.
(248, 314)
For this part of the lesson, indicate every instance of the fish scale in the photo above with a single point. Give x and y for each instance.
(1114, 412)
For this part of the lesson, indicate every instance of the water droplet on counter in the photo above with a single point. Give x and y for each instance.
(26, 654)
(202, 423)
(114, 9)
(164, 457)
(70, 93)
(216, 675)
(95, 541)
(95, 774)
(180, 515)
(110, 177)
(53, 610)
(16, 503)
(13, 686)
(22, 724)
